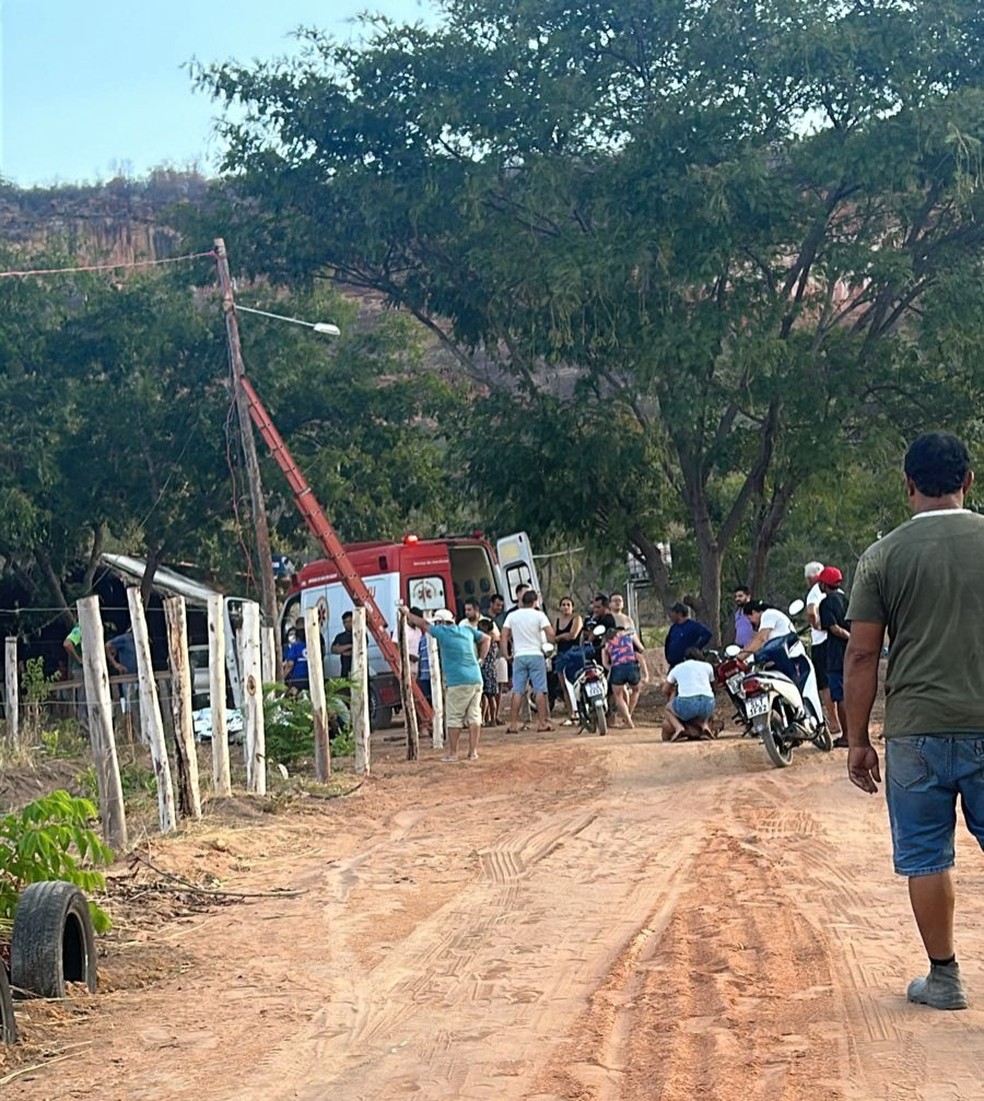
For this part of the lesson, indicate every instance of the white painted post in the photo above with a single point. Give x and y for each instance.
(100, 715)
(189, 794)
(151, 722)
(253, 727)
(12, 699)
(438, 729)
(268, 656)
(221, 781)
(316, 690)
(360, 693)
(406, 691)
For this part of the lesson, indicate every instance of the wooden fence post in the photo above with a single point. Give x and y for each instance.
(253, 727)
(268, 656)
(151, 722)
(221, 781)
(100, 715)
(406, 690)
(360, 693)
(316, 690)
(185, 752)
(12, 700)
(438, 730)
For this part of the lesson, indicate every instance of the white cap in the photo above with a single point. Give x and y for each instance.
(442, 615)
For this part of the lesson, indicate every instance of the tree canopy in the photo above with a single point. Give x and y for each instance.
(694, 253)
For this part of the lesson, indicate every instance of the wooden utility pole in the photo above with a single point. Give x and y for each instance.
(268, 590)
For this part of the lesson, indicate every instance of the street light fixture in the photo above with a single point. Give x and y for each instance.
(319, 326)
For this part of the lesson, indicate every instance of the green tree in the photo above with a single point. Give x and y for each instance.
(718, 222)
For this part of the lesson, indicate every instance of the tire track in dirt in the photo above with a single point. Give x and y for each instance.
(478, 993)
(732, 1000)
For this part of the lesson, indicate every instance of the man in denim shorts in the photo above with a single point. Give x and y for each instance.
(523, 634)
(924, 584)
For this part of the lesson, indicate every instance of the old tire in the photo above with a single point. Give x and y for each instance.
(8, 1028)
(601, 717)
(53, 942)
(779, 751)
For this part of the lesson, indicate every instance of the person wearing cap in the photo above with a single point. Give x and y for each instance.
(462, 649)
(833, 619)
(818, 642)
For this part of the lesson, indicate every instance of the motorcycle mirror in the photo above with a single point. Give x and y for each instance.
(548, 649)
(599, 630)
(796, 607)
(732, 651)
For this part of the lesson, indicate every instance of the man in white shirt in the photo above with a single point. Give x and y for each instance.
(771, 625)
(523, 635)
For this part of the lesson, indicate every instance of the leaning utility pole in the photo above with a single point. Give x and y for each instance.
(268, 592)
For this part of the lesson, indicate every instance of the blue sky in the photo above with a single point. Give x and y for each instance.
(90, 87)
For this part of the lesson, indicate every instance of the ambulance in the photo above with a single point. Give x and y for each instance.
(423, 573)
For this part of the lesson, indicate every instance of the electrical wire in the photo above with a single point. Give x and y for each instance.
(108, 267)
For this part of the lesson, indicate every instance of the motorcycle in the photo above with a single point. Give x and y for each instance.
(783, 712)
(589, 690)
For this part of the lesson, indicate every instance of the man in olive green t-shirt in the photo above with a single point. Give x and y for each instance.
(923, 583)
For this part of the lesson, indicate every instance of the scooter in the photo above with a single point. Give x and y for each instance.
(589, 691)
(783, 712)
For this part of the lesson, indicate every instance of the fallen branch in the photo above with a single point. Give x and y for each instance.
(34, 1066)
(185, 886)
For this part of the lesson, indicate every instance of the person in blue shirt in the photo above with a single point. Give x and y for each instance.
(462, 649)
(684, 634)
(296, 660)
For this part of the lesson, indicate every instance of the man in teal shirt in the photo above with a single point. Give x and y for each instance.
(462, 649)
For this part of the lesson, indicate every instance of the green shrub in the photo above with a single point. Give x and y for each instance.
(288, 720)
(51, 838)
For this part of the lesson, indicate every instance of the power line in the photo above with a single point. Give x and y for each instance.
(109, 267)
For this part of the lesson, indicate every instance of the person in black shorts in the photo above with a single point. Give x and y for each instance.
(833, 619)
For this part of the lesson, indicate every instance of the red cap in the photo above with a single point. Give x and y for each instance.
(830, 575)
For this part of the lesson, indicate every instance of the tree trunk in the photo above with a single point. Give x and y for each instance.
(708, 603)
(770, 523)
(147, 583)
(55, 588)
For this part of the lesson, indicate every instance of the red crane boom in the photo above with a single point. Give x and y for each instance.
(316, 520)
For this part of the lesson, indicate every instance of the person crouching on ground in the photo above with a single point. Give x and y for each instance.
(689, 690)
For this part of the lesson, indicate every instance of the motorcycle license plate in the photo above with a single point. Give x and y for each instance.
(593, 689)
(734, 684)
(757, 705)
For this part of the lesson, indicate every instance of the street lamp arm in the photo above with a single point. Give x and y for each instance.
(318, 326)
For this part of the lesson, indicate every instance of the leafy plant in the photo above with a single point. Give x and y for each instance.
(51, 838)
(289, 721)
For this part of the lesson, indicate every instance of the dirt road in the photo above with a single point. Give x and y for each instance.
(612, 919)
